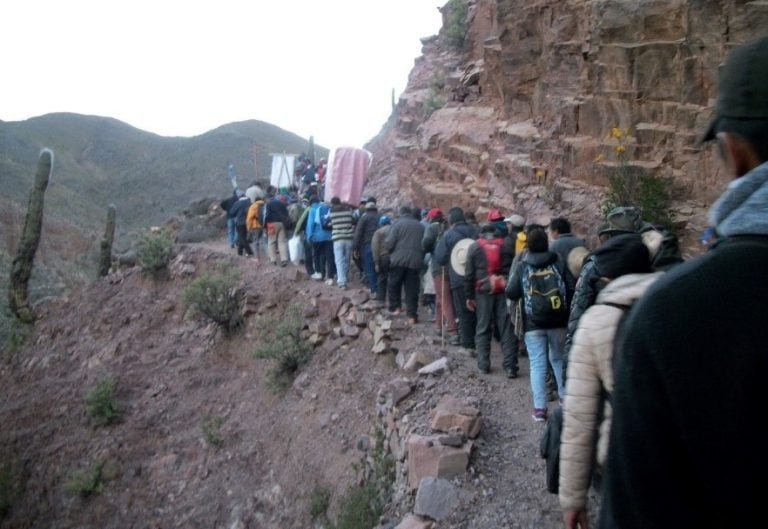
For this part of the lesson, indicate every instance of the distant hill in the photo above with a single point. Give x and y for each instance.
(101, 161)
(149, 178)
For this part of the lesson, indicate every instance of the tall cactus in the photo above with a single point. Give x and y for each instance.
(18, 293)
(105, 262)
(311, 153)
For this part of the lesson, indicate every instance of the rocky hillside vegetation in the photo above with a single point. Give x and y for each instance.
(101, 161)
(223, 393)
(533, 106)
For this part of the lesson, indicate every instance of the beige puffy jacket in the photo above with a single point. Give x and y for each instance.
(590, 369)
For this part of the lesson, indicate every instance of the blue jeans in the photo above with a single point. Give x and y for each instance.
(369, 268)
(543, 345)
(231, 232)
(342, 252)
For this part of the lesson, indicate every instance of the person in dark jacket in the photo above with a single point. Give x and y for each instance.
(487, 267)
(689, 378)
(665, 253)
(459, 229)
(381, 259)
(543, 339)
(238, 212)
(226, 205)
(276, 219)
(361, 244)
(403, 243)
(563, 241)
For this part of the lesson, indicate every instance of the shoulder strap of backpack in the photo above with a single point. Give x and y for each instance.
(605, 395)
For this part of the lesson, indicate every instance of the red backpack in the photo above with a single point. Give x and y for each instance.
(495, 282)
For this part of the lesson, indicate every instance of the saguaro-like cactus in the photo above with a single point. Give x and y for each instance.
(18, 293)
(105, 262)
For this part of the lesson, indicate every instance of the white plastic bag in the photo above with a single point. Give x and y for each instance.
(296, 249)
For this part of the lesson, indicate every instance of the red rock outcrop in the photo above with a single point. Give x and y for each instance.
(530, 99)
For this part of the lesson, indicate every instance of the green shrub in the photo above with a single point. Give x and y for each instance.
(211, 426)
(100, 401)
(13, 334)
(86, 482)
(319, 503)
(630, 185)
(456, 23)
(153, 250)
(215, 295)
(280, 340)
(362, 505)
(434, 99)
(10, 488)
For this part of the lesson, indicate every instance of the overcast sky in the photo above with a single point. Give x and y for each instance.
(180, 68)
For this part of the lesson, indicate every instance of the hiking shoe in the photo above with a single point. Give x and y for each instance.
(412, 320)
(470, 352)
(329, 281)
(454, 339)
(343, 286)
(511, 373)
(316, 275)
(394, 312)
(539, 414)
(283, 263)
(481, 371)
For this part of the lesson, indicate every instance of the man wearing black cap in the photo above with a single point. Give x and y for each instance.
(691, 355)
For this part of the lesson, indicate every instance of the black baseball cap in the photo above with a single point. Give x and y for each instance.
(742, 87)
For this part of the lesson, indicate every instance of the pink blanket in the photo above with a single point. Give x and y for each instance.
(347, 169)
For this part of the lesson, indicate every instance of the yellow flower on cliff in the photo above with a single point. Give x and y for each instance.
(616, 133)
(620, 149)
(539, 173)
(599, 158)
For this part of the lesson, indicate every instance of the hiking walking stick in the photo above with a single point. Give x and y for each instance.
(442, 308)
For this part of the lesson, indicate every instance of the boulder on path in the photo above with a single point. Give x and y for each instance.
(428, 457)
(436, 498)
(415, 522)
(435, 368)
(452, 414)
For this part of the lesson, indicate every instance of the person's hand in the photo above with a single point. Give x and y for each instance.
(575, 519)
(471, 305)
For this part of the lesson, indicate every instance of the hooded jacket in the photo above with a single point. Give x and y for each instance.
(239, 210)
(590, 376)
(610, 255)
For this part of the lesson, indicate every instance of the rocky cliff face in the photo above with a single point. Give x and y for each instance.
(531, 96)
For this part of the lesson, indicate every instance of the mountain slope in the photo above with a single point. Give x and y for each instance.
(148, 177)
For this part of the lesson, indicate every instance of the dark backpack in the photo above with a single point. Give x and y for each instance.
(544, 297)
(549, 449)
